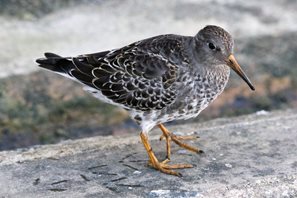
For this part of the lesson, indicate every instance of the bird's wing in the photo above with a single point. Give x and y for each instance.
(140, 76)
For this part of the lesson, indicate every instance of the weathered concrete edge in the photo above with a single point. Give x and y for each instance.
(71, 147)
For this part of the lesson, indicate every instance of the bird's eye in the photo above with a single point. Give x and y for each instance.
(211, 46)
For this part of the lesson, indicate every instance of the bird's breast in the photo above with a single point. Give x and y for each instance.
(196, 92)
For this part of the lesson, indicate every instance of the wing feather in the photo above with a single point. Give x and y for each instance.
(140, 76)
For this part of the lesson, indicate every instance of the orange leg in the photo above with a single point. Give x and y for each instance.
(177, 140)
(161, 166)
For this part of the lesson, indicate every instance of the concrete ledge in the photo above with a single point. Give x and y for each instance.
(249, 156)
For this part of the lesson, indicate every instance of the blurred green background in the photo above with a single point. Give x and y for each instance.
(39, 107)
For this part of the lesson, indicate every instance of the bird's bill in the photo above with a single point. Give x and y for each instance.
(231, 62)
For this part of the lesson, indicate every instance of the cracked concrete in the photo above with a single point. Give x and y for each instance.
(248, 156)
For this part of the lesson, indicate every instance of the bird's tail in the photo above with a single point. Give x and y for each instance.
(56, 63)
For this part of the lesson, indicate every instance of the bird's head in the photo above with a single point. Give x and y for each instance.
(214, 46)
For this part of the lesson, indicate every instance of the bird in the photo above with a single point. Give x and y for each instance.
(159, 79)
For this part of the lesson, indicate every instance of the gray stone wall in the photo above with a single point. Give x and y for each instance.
(248, 156)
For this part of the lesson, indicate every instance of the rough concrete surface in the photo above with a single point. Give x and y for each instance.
(249, 156)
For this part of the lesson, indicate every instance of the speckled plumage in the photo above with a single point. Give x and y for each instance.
(158, 79)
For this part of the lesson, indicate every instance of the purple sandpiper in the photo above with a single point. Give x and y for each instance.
(158, 79)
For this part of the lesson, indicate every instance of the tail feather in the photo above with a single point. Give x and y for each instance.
(69, 67)
(56, 63)
(51, 55)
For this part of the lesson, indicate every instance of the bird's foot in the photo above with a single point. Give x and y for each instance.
(167, 168)
(182, 137)
(177, 140)
(161, 166)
